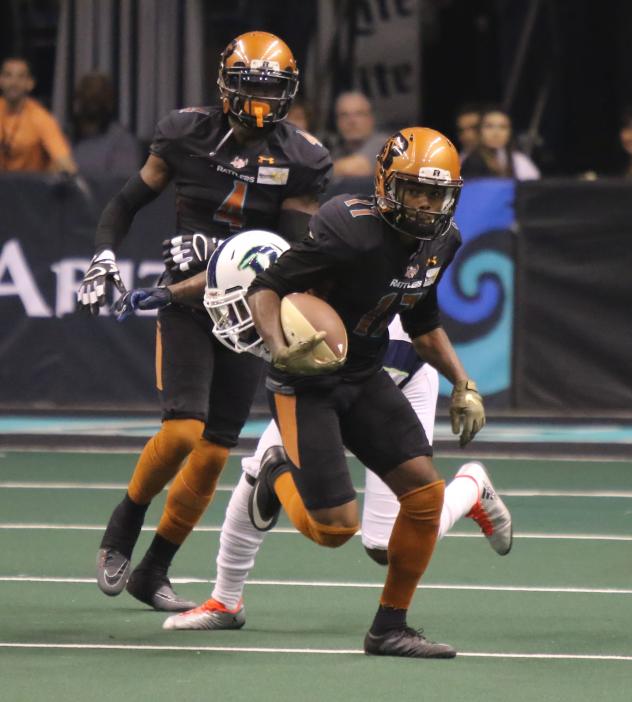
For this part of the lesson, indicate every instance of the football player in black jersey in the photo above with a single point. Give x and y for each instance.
(374, 257)
(235, 166)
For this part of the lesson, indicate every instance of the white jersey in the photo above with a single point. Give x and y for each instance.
(401, 360)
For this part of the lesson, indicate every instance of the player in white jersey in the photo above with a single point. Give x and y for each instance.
(471, 494)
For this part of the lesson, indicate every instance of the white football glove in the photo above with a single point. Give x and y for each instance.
(91, 293)
(188, 252)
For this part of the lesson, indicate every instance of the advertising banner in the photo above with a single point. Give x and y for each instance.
(574, 320)
(477, 292)
(51, 356)
(388, 56)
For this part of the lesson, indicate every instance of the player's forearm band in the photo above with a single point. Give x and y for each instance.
(293, 225)
(118, 214)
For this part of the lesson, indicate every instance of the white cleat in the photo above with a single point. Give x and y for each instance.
(210, 615)
(490, 512)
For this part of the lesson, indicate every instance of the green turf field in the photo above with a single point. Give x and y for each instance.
(552, 621)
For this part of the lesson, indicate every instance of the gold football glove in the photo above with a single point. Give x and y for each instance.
(298, 359)
(466, 411)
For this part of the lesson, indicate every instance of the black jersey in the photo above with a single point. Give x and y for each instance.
(222, 189)
(369, 274)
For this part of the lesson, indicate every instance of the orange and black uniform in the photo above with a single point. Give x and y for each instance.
(220, 191)
(370, 276)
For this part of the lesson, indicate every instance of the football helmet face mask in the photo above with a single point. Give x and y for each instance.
(258, 79)
(418, 182)
(230, 271)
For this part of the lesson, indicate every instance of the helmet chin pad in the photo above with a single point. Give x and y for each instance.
(257, 109)
(232, 320)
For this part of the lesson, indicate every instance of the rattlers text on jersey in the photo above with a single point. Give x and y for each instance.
(223, 186)
(372, 274)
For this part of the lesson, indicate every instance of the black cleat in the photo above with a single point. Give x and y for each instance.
(263, 504)
(407, 643)
(112, 571)
(152, 586)
(117, 544)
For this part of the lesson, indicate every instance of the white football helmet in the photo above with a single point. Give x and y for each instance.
(232, 267)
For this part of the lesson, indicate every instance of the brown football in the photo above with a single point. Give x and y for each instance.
(302, 315)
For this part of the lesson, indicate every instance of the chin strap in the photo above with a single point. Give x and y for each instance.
(222, 142)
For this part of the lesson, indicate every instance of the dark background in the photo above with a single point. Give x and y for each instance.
(576, 60)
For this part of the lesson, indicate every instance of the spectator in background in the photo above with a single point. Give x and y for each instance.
(30, 137)
(467, 122)
(100, 144)
(357, 143)
(494, 157)
(625, 137)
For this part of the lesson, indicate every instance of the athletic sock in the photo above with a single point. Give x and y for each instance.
(124, 526)
(460, 496)
(239, 543)
(412, 543)
(192, 490)
(159, 555)
(162, 456)
(388, 618)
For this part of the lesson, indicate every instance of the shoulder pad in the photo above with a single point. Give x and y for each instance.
(359, 205)
(180, 122)
(310, 138)
(454, 233)
(201, 110)
(356, 232)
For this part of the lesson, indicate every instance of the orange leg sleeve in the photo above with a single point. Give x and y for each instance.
(412, 543)
(322, 534)
(192, 490)
(161, 458)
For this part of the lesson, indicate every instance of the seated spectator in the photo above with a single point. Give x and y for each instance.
(357, 143)
(100, 144)
(299, 115)
(467, 122)
(494, 156)
(625, 138)
(30, 137)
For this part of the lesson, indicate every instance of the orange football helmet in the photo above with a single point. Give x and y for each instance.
(258, 78)
(418, 165)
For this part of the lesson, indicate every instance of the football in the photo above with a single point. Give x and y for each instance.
(302, 315)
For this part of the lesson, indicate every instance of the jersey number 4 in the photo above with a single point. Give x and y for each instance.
(231, 211)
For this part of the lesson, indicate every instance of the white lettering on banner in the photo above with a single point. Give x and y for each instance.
(21, 281)
(17, 280)
(387, 57)
(69, 274)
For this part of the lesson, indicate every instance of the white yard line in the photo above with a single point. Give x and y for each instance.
(23, 485)
(308, 651)
(239, 452)
(330, 584)
(33, 485)
(27, 526)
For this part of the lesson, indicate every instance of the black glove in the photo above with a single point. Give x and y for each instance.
(141, 299)
(91, 293)
(188, 252)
